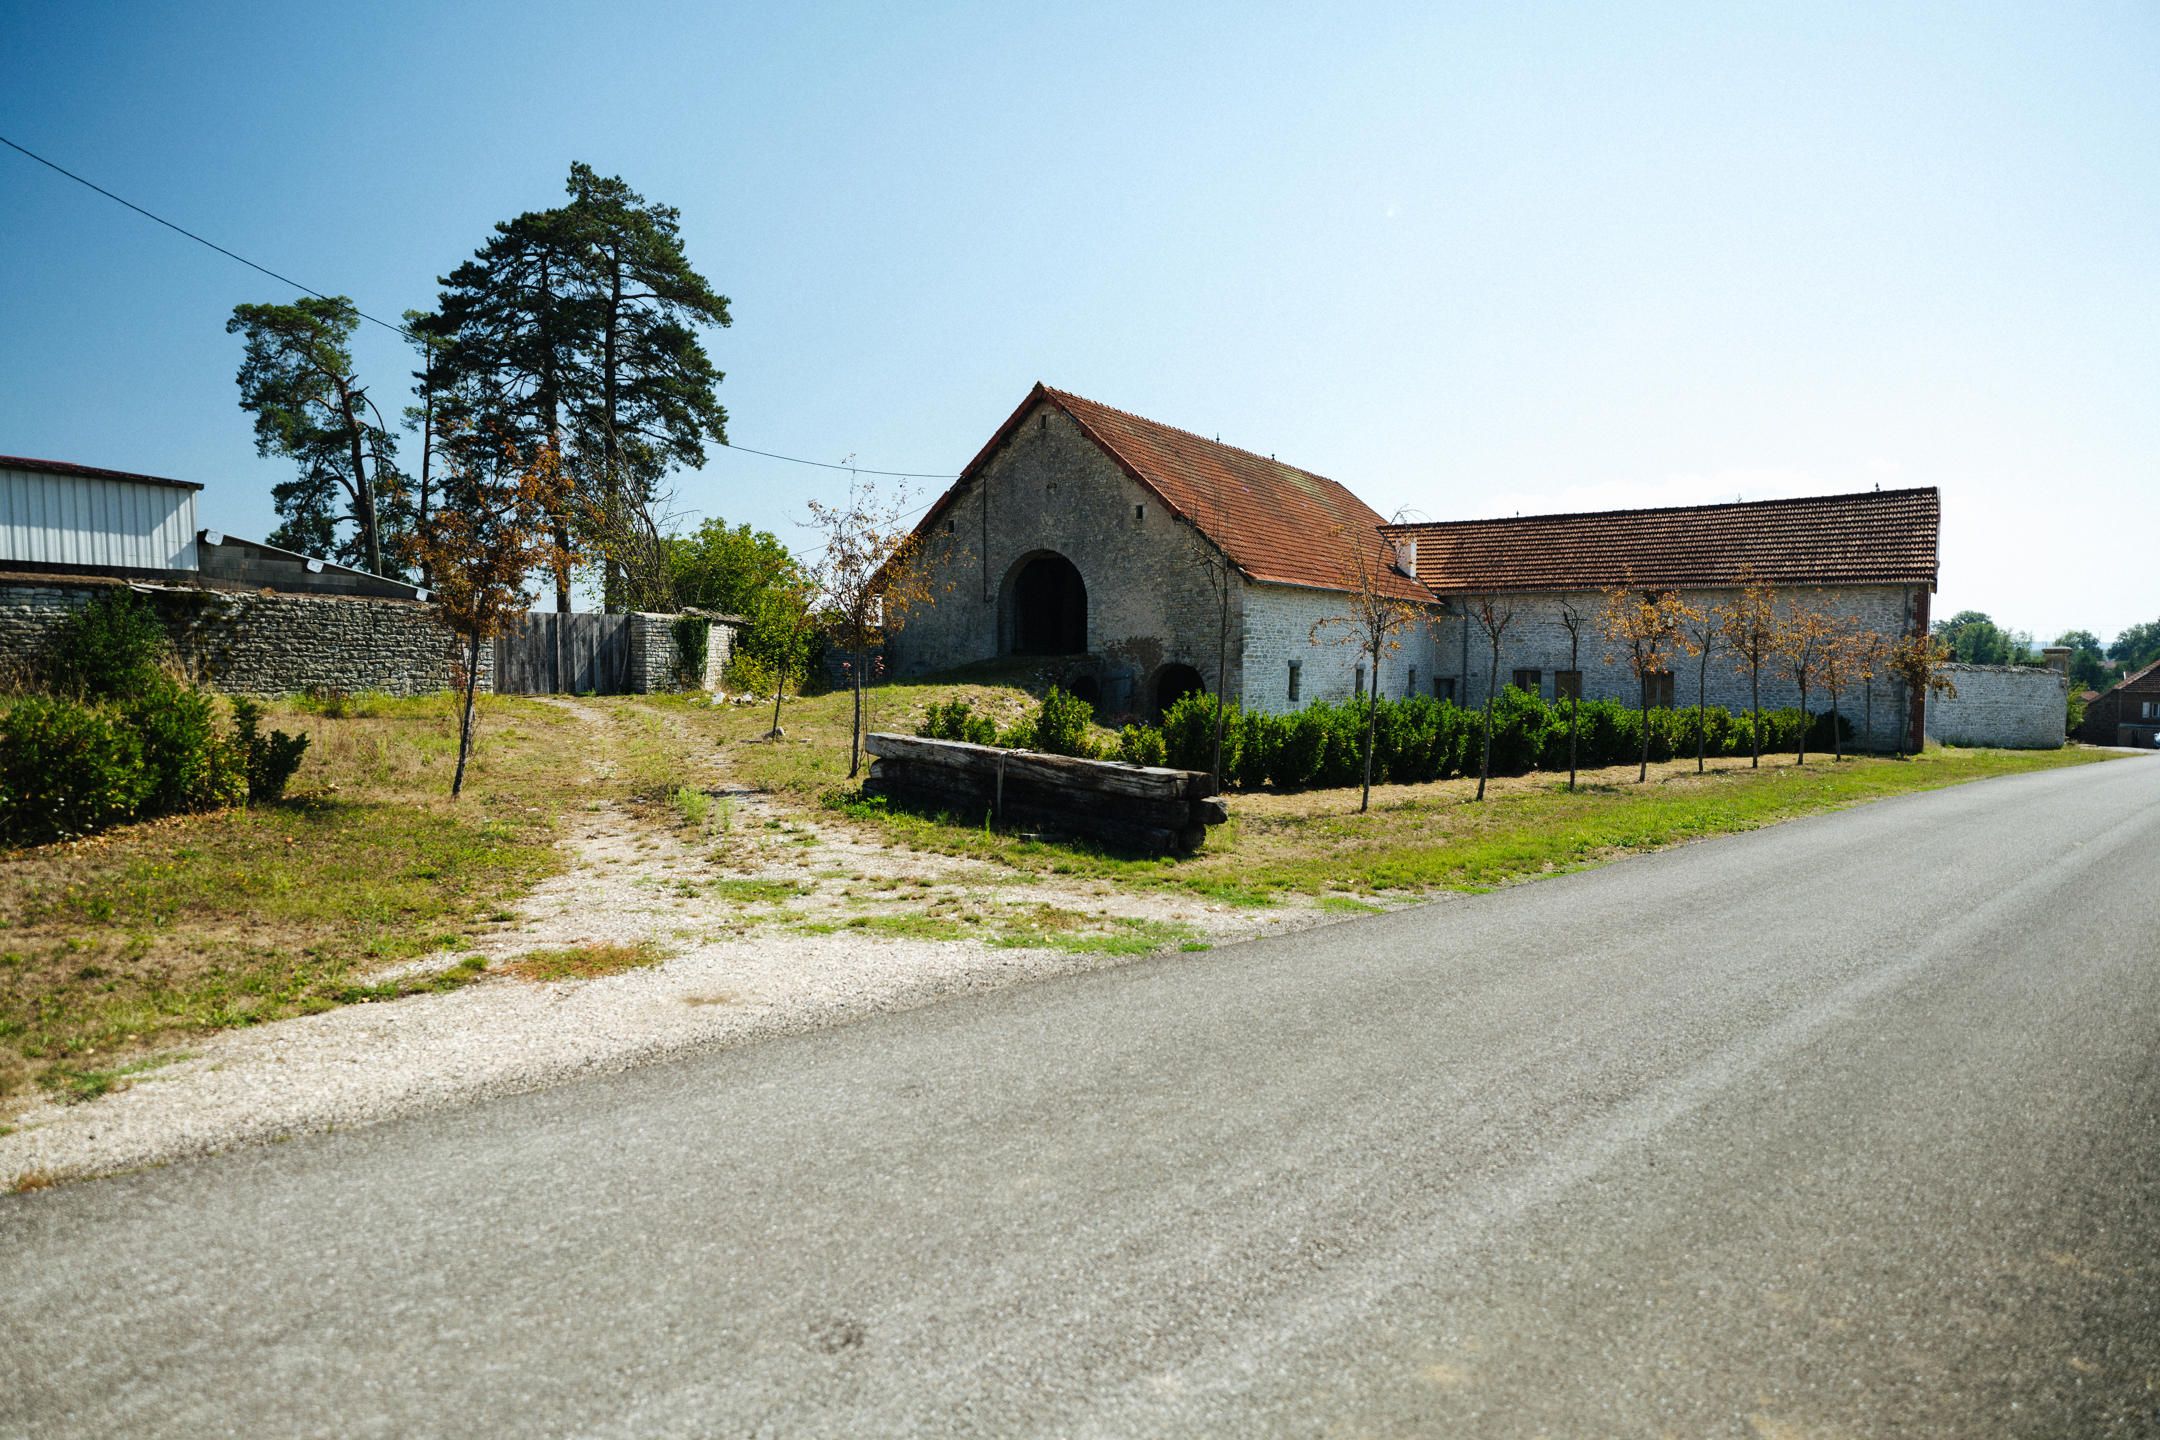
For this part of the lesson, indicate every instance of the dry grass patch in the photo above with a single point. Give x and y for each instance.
(584, 962)
(113, 946)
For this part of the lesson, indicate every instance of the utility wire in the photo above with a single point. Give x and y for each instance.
(183, 230)
(401, 330)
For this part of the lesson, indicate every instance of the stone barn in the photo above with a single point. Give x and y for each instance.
(1138, 562)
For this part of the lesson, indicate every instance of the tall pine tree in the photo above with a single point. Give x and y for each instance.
(514, 334)
(651, 405)
(297, 379)
(579, 328)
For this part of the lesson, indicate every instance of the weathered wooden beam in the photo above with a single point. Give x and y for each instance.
(975, 789)
(1064, 771)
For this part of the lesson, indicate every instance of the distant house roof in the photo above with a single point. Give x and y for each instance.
(88, 472)
(1875, 537)
(1277, 523)
(2127, 681)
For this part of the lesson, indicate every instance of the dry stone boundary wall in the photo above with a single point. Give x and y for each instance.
(263, 643)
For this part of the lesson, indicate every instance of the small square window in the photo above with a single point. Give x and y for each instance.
(1443, 688)
(1567, 685)
(1530, 681)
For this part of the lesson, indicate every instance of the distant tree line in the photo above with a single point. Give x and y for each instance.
(1974, 639)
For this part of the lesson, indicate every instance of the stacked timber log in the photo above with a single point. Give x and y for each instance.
(1135, 807)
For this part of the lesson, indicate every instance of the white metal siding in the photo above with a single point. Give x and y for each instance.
(95, 523)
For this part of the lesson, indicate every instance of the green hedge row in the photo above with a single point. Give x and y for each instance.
(1416, 739)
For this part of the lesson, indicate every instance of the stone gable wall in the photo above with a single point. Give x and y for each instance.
(1150, 603)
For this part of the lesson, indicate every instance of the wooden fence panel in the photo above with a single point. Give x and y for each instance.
(549, 653)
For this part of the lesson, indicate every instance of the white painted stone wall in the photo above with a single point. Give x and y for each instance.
(1279, 621)
(2017, 707)
(1536, 639)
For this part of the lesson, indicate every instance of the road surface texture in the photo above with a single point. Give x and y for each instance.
(1849, 1127)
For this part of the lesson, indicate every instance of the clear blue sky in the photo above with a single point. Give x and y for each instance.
(1466, 259)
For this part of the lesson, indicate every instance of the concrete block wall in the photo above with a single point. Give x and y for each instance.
(2017, 707)
(1536, 639)
(250, 643)
(1279, 629)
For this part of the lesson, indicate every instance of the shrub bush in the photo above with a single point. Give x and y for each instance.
(110, 647)
(67, 767)
(1188, 730)
(956, 720)
(1061, 726)
(187, 763)
(747, 674)
(1142, 745)
(693, 638)
(267, 761)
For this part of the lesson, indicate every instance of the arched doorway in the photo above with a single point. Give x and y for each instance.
(1172, 684)
(1045, 607)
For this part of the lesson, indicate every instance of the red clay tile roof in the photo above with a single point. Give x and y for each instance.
(1875, 537)
(1276, 522)
(91, 472)
(2126, 682)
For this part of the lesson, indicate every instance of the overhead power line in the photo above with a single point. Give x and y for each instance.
(396, 329)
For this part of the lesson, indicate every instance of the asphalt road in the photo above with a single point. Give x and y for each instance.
(1849, 1127)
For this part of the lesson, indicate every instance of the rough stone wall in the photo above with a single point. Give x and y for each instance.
(1536, 639)
(653, 659)
(656, 660)
(256, 644)
(2017, 707)
(1279, 621)
(719, 649)
(1149, 602)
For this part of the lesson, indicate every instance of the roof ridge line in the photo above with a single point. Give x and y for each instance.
(1664, 509)
(1190, 434)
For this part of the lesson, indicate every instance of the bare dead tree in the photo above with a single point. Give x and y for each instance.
(1644, 627)
(1700, 627)
(1805, 637)
(866, 576)
(1221, 574)
(1377, 614)
(1493, 615)
(1573, 621)
(1750, 632)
